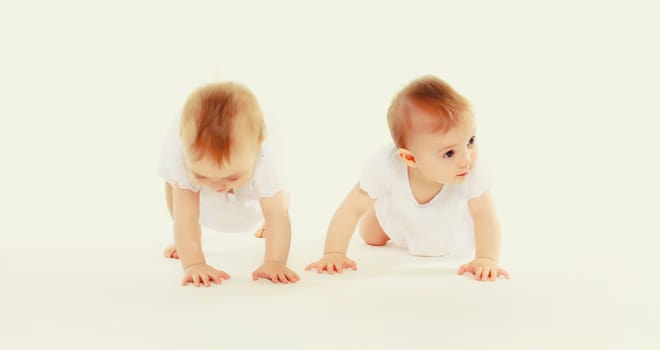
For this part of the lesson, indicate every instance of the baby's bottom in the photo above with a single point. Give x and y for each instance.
(371, 231)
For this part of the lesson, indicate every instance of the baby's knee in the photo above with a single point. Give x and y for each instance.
(374, 238)
(375, 242)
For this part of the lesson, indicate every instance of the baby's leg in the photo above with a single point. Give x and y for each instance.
(168, 199)
(371, 231)
(170, 250)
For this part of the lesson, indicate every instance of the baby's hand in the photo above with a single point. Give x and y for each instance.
(332, 262)
(202, 273)
(483, 269)
(276, 272)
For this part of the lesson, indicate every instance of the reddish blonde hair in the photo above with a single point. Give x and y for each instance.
(427, 104)
(217, 112)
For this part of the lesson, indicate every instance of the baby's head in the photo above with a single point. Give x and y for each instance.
(433, 128)
(222, 128)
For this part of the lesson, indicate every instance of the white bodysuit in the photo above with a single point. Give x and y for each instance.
(440, 227)
(220, 211)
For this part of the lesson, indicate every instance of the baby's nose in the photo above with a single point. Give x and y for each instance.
(463, 163)
(220, 186)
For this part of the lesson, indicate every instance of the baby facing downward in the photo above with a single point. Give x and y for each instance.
(219, 174)
(426, 191)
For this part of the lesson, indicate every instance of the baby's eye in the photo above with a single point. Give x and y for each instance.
(233, 178)
(448, 154)
(472, 141)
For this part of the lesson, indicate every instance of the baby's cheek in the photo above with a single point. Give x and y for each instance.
(240, 183)
(475, 156)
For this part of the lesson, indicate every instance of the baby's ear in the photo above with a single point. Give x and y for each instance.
(407, 157)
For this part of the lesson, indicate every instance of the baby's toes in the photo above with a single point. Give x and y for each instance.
(170, 252)
(260, 233)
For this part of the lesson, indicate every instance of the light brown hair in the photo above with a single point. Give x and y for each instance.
(217, 111)
(427, 104)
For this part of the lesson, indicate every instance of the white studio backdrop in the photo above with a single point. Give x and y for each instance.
(563, 96)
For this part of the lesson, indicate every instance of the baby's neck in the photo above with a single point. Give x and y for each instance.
(422, 189)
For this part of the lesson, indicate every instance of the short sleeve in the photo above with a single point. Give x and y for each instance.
(376, 173)
(479, 180)
(266, 179)
(172, 167)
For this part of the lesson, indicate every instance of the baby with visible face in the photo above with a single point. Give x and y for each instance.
(414, 190)
(437, 150)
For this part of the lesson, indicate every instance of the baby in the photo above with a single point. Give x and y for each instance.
(219, 174)
(427, 191)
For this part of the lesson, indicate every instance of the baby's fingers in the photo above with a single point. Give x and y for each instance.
(215, 278)
(256, 275)
(218, 276)
(337, 267)
(186, 279)
(265, 275)
(350, 264)
(320, 267)
(463, 269)
(262, 274)
(477, 272)
(272, 277)
(314, 265)
(493, 274)
(483, 273)
(292, 276)
(502, 272)
(282, 278)
(488, 271)
(204, 277)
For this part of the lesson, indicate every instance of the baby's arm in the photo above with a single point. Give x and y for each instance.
(340, 232)
(188, 237)
(278, 241)
(487, 240)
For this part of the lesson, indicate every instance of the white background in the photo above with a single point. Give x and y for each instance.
(566, 102)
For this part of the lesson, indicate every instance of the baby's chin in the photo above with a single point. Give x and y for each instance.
(454, 180)
(460, 179)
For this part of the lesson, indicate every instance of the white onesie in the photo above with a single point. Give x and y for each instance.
(220, 211)
(440, 227)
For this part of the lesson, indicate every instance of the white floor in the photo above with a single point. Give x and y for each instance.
(75, 293)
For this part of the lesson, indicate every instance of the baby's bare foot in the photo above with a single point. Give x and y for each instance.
(260, 232)
(170, 252)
